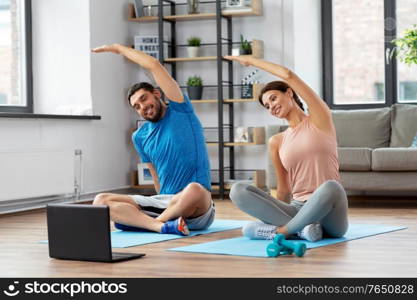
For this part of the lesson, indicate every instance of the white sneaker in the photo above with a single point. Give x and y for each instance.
(259, 231)
(311, 233)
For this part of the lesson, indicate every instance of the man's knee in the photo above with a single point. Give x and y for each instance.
(195, 193)
(194, 187)
(101, 199)
(238, 193)
(195, 190)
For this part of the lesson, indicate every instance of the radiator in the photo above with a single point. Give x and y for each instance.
(38, 173)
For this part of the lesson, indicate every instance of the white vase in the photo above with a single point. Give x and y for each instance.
(192, 51)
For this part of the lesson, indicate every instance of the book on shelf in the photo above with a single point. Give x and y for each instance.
(138, 4)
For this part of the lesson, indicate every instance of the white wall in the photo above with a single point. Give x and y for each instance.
(66, 72)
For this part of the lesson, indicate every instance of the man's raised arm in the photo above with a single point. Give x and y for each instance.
(163, 79)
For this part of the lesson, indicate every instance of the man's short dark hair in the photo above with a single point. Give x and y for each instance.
(137, 86)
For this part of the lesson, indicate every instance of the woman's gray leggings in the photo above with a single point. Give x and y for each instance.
(327, 205)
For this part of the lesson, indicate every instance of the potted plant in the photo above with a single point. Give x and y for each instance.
(193, 7)
(406, 46)
(245, 47)
(193, 46)
(195, 87)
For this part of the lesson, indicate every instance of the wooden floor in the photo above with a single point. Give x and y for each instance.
(387, 255)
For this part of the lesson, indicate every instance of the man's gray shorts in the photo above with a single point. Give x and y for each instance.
(156, 204)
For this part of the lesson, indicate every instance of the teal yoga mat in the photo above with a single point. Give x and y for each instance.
(243, 246)
(124, 239)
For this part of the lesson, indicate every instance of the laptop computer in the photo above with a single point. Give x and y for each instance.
(82, 232)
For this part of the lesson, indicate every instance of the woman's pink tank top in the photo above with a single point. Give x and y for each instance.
(310, 157)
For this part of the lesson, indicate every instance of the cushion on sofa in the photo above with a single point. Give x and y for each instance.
(394, 159)
(367, 128)
(404, 125)
(379, 181)
(354, 159)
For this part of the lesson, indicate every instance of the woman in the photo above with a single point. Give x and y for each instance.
(305, 161)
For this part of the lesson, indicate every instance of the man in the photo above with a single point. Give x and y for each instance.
(173, 146)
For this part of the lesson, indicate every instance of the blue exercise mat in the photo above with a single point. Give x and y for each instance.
(243, 246)
(124, 239)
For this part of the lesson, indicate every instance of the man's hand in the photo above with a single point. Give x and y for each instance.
(168, 85)
(244, 60)
(114, 48)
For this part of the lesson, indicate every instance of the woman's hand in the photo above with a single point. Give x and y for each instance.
(114, 48)
(244, 60)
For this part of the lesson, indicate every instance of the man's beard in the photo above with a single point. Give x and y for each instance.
(158, 113)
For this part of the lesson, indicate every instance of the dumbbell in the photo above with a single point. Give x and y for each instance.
(274, 250)
(280, 244)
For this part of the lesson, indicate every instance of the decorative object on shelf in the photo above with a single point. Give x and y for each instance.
(241, 135)
(211, 134)
(406, 46)
(246, 91)
(245, 46)
(256, 135)
(238, 6)
(149, 44)
(138, 4)
(193, 7)
(253, 48)
(195, 87)
(235, 51)
(148, 11)
(144, 175)
(247, 85)
(193, 46)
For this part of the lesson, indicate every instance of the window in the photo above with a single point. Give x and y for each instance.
(359, 71)
(408, 91)
(358, 50)
(406, 12)
(15, 56)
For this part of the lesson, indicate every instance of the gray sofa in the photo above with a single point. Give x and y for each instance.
(373, 147)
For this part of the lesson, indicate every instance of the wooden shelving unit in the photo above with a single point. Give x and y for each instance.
(257, 87)
(255, 11)
(182, 59)
(224, 40)
(233, 144)
(257, 52)
(259, 180)
(225, 100)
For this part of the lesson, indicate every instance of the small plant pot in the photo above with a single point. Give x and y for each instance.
(245, 52)
(195, 92)
(193, 51)
(235, 51)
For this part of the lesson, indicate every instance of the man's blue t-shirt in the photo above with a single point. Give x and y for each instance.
(176, 147)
